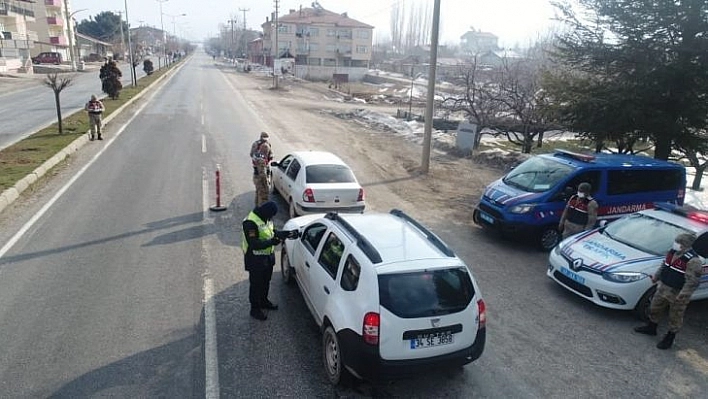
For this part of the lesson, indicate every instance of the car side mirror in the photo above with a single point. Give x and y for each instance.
(603, 223)
(274, 163)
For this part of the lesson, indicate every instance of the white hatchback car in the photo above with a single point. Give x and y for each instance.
(317, 182)
(611, 266)
(390, 297)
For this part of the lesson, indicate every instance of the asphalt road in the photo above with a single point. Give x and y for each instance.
(32, 107)
(126, 285)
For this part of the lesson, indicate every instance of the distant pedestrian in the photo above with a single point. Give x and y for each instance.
(95, 110)
(678, 278)
(580, 212)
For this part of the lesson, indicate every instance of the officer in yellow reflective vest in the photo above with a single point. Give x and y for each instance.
(258, 243)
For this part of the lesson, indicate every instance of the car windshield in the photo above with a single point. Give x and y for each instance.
(426, 293)
(537, 174)
(644, 233)
(329, 174)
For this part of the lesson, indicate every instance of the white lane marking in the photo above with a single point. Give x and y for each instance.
(203, 144)
(205, 193)
(71, 181)
(211, 359)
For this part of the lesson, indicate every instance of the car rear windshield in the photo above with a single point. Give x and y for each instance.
(426, 293)
(329, 174)
(537, 174)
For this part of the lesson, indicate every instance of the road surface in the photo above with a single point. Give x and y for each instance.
(116, 280)
(32, 107)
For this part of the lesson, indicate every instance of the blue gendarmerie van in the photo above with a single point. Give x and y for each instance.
(529, 200)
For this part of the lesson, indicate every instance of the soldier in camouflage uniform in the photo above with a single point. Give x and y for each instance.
(678, 278)
(260, 179)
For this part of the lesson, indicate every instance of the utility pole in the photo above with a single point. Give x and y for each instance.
(427, 138)
(277, 49)
(133, 77)
(232, 21)
(243, 34)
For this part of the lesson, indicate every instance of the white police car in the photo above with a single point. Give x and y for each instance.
(390, 297)
(612, 265)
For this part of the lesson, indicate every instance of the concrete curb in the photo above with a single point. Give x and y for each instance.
(8, 196)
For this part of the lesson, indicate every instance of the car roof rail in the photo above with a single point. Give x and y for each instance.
(361, 241)
(429, 234)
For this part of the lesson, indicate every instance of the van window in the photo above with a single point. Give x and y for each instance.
(426, 293)
(350, 274)
(312, 236)
(591, 176)
(538, 174)
(331, 254)
(630, 181)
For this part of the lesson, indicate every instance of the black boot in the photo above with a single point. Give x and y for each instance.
(91, 138)
(258, 314)
(269, 305)
(667, 341)
(99, 136)
(648, 329)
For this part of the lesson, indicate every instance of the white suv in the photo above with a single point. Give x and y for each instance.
(390, 297)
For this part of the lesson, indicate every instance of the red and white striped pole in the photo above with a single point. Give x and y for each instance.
(218, 207)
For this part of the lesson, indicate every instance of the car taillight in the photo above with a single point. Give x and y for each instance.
(372, 321)
(308, 195)
(482, 310)
(360, 197)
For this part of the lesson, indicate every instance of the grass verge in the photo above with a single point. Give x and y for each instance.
(23, 157)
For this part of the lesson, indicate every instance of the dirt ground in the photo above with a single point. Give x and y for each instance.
(389, 160)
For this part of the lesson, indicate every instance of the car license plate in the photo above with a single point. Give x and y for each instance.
(434, 339)
(573, 276)
(486, 217)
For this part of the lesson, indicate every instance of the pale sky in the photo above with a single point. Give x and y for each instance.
(513, 21)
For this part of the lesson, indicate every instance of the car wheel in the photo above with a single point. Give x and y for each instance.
(475, 216)
(642, 308)
(332, 357)
(549, 238)
(285, 268)
(293, 211)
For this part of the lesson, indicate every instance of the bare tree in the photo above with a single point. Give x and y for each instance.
(57, 84)
(397, 18)
(476, 98)
(524, 104)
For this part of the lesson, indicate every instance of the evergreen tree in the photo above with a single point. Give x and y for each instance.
(636, 68)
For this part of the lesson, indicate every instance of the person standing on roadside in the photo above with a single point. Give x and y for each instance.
(678, 278)
(260, 179)
(580, 212)
(95, 110)
(258, 243)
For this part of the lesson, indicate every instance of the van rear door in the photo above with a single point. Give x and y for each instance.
(426, 313)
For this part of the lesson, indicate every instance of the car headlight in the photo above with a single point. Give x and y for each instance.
(523, 208)
(624, 277)
(558, 248)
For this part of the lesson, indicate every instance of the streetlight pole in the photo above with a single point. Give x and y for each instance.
(162, 28)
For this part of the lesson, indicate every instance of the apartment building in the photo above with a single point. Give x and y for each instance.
(319, 38)
(16, 39)
(53, 28)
